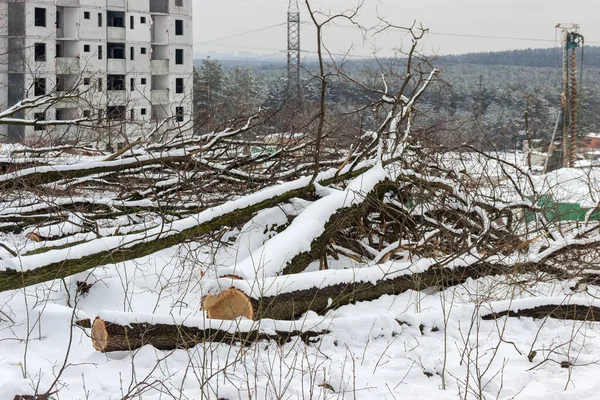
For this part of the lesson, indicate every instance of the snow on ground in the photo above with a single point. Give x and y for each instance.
(440, 350)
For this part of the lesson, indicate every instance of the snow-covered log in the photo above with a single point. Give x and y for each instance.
(112, 331)
(578, 309)
(289, 296)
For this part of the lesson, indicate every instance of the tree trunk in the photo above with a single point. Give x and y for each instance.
(108, 336)
(577, 312)
(258, 300)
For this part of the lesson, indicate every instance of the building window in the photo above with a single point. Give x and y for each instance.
(142, 111)
(86, 113)
(132, 83)
(58, 19)
(143, 50)
(179, 114)
(39, 86)
(99, 20)
(115, 112)
(143, 81)
(116, 50)
(58, 114)
(86, 81)
(86, 48)
(178, 3)
(179, 85)
(115, 19)
(178, 56)
(115, 82)
(131, 22)
(40, 52)
(39, 117)
(142, 20)
(86, 15)
(179, 27)
(132, 53)
(100, 84)
(59, 48)
(40, 16)
(100, 52)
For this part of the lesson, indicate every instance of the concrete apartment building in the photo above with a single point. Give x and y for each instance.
(130, 62)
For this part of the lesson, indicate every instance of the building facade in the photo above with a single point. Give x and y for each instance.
(128, 63)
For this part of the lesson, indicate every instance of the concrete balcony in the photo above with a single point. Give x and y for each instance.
(115, 66)
(67, 3)
(67, 65)
(115, 3)
(115, 33)
(116, 97)
(159, 67)
(159, 96)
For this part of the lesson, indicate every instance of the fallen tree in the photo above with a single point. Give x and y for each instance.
(126, 331)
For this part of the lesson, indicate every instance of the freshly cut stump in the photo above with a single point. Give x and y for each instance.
(229, 304)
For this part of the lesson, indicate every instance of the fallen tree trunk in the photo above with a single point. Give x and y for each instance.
(577, 312)
(166, 334)
(29, 270)
(290, 296)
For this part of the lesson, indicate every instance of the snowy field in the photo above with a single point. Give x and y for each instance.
(430, 344)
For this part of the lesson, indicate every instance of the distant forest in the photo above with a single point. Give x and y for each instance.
(529, 58)
(479, 98)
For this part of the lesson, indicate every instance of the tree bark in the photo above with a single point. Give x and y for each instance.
(575, 312)
(291, 304)
(108, 336)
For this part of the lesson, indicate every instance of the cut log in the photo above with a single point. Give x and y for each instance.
(290, 296)
(577, 312)
(110, 336)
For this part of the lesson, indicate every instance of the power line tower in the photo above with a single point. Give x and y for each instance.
(571, 40)
(293, 63)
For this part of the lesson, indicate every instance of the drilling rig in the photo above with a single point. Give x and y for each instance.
(571, 41)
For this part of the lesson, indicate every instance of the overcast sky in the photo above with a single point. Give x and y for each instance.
(495, 22)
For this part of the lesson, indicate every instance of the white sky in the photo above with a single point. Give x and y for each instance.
(214, 20)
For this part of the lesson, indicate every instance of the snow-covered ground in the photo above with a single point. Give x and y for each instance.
(418, 345)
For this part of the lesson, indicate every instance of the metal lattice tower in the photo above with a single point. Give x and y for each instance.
(293, 64)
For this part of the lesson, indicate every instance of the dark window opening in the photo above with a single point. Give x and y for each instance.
(86, 81)
(86, 113)
(58, 114)
(99, 52)
(143, 81)
(40, 52)
(131, 22)
(115, 82)
(39, 117)
(132, 114)
(116, 19)
(142, 20)
(116, 50)
(86, 15)
(132, 53)
(179, 56)
(132, 83)
(179, 114)
(179, 85)
(100, 20)
(115, 112)
(39, 86)
(59, 50)
(40, 16)
(178, 3)
(86, 48)
(100, 84)
(143, 50)
(142, 111)
(179, 27)
(58, 19)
